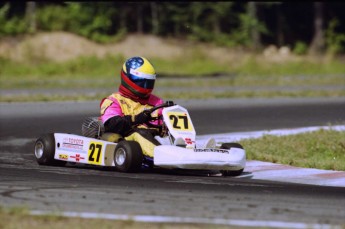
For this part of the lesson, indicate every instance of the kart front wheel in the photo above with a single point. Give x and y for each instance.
(229, 146)
(128, 156)
(227, 173)
(45, 150)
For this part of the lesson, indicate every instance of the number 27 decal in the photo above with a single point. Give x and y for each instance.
(180, 121)
(94, 153)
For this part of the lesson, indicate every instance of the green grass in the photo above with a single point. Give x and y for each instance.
(323, 149)
(193, 65)
(252, 94)
(50, 98)
(88, 81)
(301, 67)
(89, 67)
(172, 95)
(190, 71)
(19, 217)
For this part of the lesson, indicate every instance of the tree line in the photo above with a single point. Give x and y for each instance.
(307, 27)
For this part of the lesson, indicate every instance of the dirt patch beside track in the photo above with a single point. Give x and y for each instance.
(62, 46)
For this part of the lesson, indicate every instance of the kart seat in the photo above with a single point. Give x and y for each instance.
(111, 137)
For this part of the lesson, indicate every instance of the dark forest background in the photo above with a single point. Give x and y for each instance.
(306, 27)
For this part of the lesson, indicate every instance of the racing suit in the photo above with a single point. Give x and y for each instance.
(118, 116)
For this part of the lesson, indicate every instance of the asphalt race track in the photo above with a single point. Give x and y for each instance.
(180, 196)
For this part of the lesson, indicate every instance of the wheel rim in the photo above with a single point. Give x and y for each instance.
(39, 149)
(120, 156)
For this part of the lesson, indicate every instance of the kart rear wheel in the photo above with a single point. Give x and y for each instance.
(45, 149)
(128, 156)
(229, 146)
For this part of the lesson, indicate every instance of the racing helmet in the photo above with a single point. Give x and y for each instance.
(138, 77)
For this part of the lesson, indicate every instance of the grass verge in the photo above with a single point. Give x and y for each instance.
(19, 217)
(323, 149)
(252, 71)
(173, 95)
(36, 82)
(96, 73)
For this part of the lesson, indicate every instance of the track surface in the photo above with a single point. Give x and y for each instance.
(165, 193)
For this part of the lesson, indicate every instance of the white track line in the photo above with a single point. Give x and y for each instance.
(172, 219)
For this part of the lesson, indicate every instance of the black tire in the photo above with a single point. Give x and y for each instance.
(128, 156)
(45, 149)
(229, 146)
(227, 173)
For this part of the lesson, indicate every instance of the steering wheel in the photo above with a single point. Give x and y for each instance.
(160, 127)
(166, 104)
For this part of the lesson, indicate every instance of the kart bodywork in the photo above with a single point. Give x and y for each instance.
(126, 156)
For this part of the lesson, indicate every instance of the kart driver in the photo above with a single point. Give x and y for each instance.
(125, 112)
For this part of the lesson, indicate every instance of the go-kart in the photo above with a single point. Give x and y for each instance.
(178, 149)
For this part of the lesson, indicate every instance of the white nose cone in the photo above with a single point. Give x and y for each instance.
(209, 159)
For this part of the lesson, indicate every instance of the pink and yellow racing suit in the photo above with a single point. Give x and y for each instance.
(118, 114)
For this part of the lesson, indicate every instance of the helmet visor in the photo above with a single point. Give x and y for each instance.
(142, 82)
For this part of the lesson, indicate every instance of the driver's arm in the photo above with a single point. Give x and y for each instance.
(113, 118)
(123, 124)
(119, 124)
(116, 122)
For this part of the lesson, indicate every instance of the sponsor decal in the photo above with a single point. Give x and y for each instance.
(77, 157)
(123, 102)
(73, 143)
(63, 156)
(212, 150)
(188, 141)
